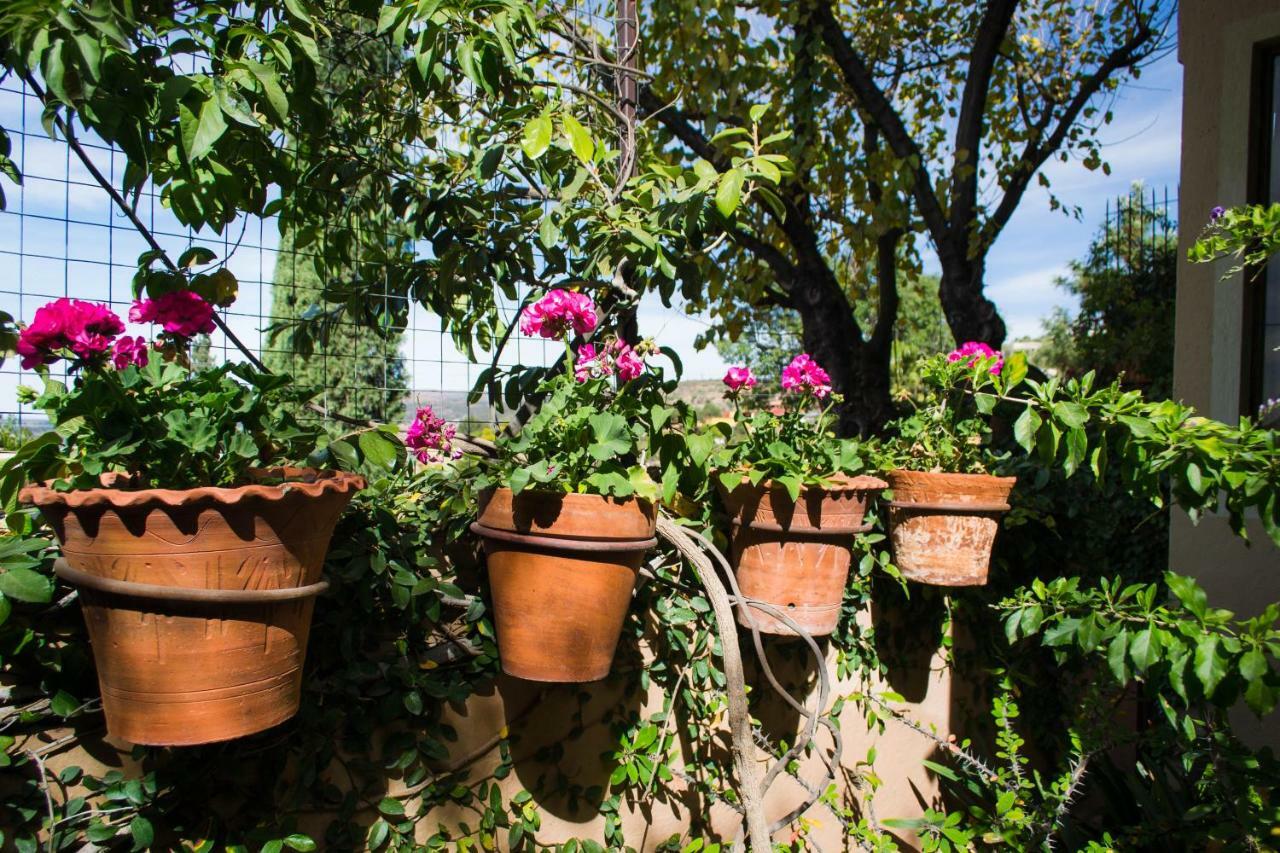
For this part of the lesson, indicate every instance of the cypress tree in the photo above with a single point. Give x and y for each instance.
(358, 372)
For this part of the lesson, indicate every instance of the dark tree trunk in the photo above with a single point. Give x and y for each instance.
(859, 372)
(970, 315)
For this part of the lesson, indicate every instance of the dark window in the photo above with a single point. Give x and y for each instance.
(1262, 297)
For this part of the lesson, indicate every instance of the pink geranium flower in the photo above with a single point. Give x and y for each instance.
(589, 364)
(557, 312)
(804, 375)
(85, 328)
(629, 365)
(617, 357)
(976, 351)
(738, 378)
(183, 313)
(129, 351)
(430, 438)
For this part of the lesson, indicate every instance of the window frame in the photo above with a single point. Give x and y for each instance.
(1264, 111)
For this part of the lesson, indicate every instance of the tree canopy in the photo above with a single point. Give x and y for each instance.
(911, 119)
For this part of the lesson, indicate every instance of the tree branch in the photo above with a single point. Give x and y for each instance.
(1039, 148)
(996, 19)
(858, 77)
(782, 267)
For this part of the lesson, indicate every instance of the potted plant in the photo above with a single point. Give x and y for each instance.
(946, 504)
(570, 507)
(796, 496)
(195, 545)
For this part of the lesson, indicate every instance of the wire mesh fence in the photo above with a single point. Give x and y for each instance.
(61, 234)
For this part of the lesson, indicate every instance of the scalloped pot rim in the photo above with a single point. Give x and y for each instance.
(297, 480)
(840, 483)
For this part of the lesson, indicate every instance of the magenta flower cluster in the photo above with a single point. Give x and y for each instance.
(430, 438)
(89, 330)
(805, 376)
(129, 351)
(737, 378)
(555, 314)
(615, 358)
(181, 313)
(86, 329)
(975, 352)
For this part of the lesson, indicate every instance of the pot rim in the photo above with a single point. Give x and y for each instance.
(576, 496)
(898, 472)
(841, 483)
(308, 481)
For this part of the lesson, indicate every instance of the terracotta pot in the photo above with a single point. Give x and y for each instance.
(796, 555)
(562, 569)
(942, 526)
(198, 601)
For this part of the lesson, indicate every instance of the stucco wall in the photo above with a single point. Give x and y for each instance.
(533, 717)
(1216, 43)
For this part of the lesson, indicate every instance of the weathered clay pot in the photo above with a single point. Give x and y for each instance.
(942, 526)
(795, 555)
(562, 569)
(198, 601)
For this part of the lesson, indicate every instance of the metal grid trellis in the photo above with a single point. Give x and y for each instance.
(1137, 225)
(60, 235)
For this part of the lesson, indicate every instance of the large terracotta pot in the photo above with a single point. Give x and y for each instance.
(198, 601)
(943, 526)
(796, 555)
(562, 569)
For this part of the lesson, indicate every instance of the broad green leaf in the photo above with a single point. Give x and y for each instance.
(729, 193)
(209, 129)
(579, 140)
(378, 448)
(26, 585)
(537, 136)
(1210, 666)
(1144, 650)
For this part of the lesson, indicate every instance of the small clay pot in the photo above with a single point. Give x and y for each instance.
(943, 526)
(198, 601)
(796, 555)
(562, 569)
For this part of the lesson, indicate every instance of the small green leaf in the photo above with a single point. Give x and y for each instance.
(143, 833)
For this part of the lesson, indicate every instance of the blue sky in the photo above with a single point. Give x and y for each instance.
(1143, 144)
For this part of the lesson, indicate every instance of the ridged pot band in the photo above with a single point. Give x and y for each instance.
(130, 589)
(807, 533)
(950, 507)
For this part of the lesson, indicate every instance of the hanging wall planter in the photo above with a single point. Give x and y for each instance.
(198, 601)
(943, 526)
(796, 555)
(562, 568)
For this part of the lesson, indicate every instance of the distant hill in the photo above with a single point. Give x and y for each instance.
(704, 396)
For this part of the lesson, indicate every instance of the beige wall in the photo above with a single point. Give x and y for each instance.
(1216, 42)
(535, 716)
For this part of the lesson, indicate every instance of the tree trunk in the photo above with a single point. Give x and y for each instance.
(859, 373)
(970, 315)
